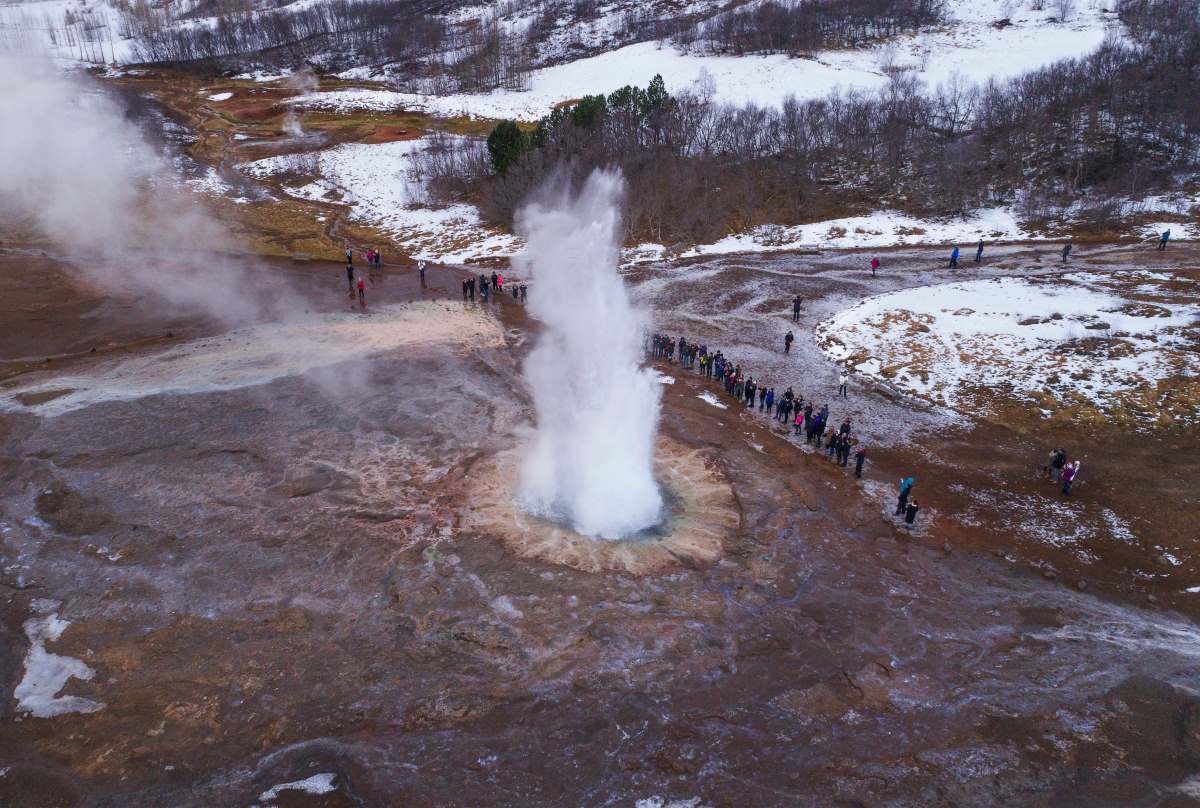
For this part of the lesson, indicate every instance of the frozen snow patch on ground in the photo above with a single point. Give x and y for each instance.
(220, 96)
(46, 673)
(317, 784)
(380, 184)
(709, 398)
(881, 229)
(662, 378)
(1083, 337)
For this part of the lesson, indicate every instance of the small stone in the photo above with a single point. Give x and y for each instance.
(1152, 598)
(946, 548)
(1049, 575)
(1081, 584)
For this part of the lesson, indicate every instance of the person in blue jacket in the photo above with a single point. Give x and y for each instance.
(1162, 242)
(954, 258)
(905, 489)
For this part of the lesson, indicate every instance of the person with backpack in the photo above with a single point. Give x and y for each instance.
(954, 257)
(787, 342)
(910, 513)
(1058, 459)
(1162, 242)
(874, 266)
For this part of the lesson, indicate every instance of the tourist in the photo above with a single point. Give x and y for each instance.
(979, 252)
(421, 271)
(1058, 459)
(524, 293)
(906, 486)
(797, 302)
(844, 451)
(350, 256)
(471, 288)
(762, 398)
(954, 258)
(910, 513)
(1066, 252)
(1162, 242)
(1069, 473)
(464, 286)
(845, 378)
(362, 294)
(787, 342)
(350, 278)
(860, 457)
(874, 266)
(770, 400)
(798, 426)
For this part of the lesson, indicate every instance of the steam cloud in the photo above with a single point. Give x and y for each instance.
(90, 181)
(591, 460)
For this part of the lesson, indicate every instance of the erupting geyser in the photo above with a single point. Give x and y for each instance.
(591, 462)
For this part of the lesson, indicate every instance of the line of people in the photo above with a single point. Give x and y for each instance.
(788, 408)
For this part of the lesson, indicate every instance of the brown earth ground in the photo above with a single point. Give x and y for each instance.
(274, 581)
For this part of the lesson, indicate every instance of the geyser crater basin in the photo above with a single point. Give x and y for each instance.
(700, 514)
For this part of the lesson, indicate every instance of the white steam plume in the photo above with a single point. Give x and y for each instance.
(591, 460)
(89, 180)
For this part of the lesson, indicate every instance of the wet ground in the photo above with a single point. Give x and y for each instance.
(272, 581)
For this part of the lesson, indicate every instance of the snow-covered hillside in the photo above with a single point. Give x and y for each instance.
(971, 47)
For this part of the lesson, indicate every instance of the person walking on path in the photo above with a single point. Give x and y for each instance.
(860, 457)
(906, 486)
(910, 513)
(787, 342)
(421, 270)
(1058, 459)
(350, 256)
(464, 285)
(362, 294)
(797, 302)
(1162, 242)
(979, 252)
(1069, 473)
(874, 267)
(524, 292)
(1066, 251)
(954, 257)
(842, 382)
(350, 278)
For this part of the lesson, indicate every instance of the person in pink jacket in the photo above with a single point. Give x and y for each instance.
(1069, 473)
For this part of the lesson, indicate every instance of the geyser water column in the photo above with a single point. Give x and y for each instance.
(590, 463)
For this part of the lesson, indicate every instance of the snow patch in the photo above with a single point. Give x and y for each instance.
(317, 784)
(220, 96)
(709, 398)
(46, 673)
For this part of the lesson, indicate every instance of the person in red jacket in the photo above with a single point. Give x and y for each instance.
(362, 294)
